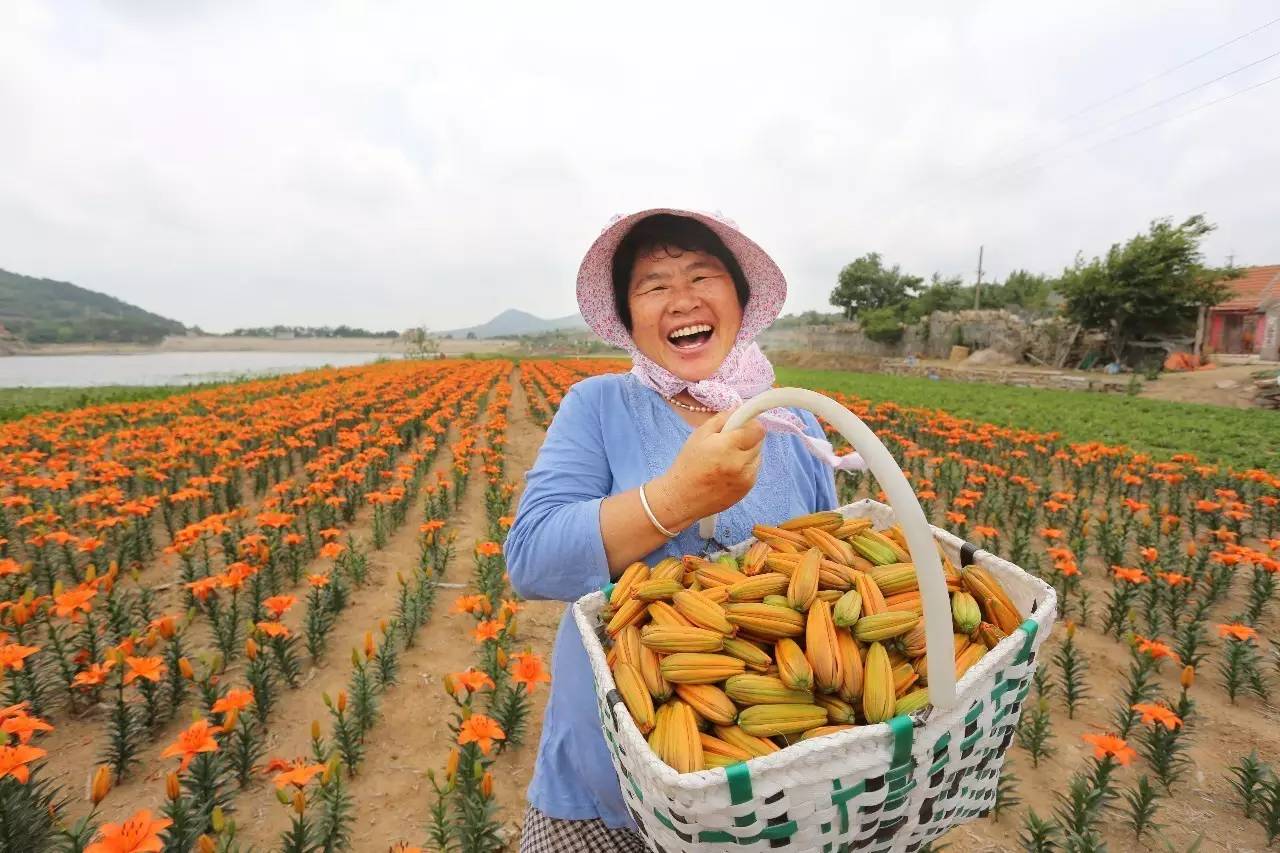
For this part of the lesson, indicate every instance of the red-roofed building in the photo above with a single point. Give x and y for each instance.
(1248, 322)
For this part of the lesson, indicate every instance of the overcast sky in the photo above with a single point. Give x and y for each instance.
(385, 164)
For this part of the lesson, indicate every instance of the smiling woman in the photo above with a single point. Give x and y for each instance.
(631, 461)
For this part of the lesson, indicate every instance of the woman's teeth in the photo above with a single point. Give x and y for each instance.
(688, 337)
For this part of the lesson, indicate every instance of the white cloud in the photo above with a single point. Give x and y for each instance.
(232, 164)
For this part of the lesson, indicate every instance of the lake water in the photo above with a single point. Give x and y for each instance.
(165, 368)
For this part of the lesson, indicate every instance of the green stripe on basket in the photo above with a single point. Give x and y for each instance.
(718, 836)
(1029, 628)
(607, 589)
(841, 800)
(901, 728)
(740, 790)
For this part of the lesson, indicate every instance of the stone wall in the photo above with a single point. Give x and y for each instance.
(933, 337)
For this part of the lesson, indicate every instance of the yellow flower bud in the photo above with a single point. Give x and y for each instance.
(451, 765)
(315, 726)
(217, 819)
(1188, 677)
(299, 803)
(101, 784)
(342, 701)
(368, 644)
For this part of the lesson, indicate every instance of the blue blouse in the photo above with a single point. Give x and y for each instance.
(610, 435)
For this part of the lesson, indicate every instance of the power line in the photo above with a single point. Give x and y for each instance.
(1165, 120)
(1149, 107)
(1136, 86)
(1194, 109)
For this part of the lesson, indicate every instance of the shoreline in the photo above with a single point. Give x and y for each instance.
(212, 343)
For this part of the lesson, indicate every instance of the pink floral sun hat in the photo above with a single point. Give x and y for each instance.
(745, 371)
(765, 281)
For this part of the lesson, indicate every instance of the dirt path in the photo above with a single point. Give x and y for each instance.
(1228, 385)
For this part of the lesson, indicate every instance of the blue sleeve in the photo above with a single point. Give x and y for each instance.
(555, 549)
(824, 477)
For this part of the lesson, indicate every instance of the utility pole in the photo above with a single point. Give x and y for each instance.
(977, 288)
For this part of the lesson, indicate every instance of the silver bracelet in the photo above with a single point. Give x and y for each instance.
(644, 502)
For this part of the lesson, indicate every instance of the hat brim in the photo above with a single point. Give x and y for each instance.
(765, 282)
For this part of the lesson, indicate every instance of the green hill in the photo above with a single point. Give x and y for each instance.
(43, 311)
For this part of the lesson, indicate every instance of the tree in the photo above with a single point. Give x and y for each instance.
(1152, 285)
(867, 283)
(1026, 289)
(942, 294)
(883, 325)
(420, 343)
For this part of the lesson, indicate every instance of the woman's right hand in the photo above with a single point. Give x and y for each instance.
(713, 471)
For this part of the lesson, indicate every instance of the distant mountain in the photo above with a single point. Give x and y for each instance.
(42, 311)
(512, 322)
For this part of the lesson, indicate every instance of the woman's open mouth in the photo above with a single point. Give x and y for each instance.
(690, 339)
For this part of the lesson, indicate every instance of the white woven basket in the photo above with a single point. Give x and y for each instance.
(892, 786)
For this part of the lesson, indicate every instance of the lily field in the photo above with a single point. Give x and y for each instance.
(274, 614)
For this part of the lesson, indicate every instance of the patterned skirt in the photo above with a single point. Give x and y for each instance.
(544, 834)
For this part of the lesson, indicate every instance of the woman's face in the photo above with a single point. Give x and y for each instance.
(685, 314)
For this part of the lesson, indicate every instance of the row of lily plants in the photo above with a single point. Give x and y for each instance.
(109, 652)
(545, 381)
(492, 699)
(312, 788)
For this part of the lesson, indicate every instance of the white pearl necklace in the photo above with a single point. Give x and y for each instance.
(702, 409)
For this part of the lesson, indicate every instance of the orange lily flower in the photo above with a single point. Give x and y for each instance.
(318, 580)
(487, 630)
(12, 656)
(235, 699)
(1236, 631)
(1156, 649)
(1153, 713)
(14, 761)
(23, 727)
(196, 738)
(488, 549)
(299, 776)
(472, 679)
(279, 604)
(332, 549)
(74, 602)
(480, 730)
(149, 668)
(138, 834)
(273, 629)
(528, 669)
(1104, 745)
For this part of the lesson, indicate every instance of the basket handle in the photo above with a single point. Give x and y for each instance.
(902, 498)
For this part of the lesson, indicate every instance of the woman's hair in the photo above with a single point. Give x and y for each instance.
(666, 231)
